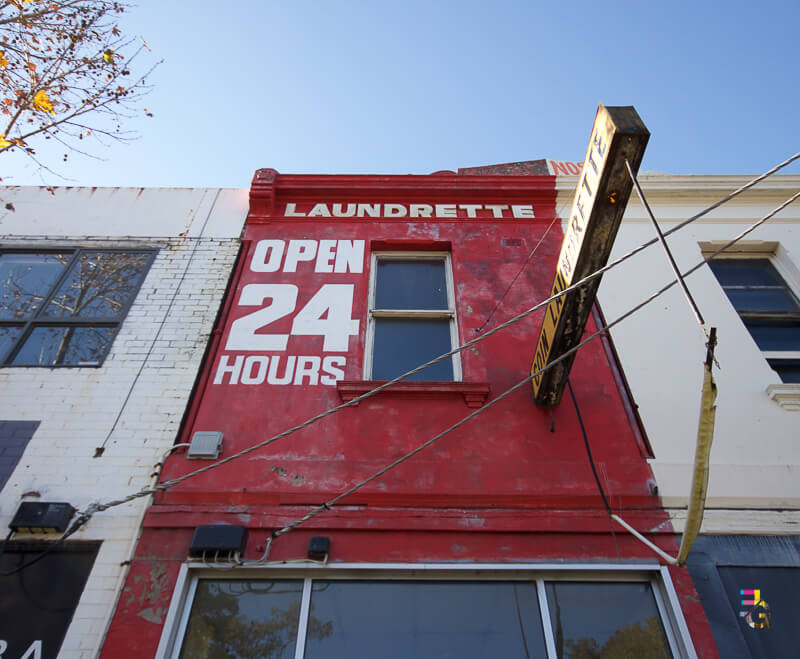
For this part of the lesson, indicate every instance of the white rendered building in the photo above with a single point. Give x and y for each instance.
(107, 300)
(749, 550)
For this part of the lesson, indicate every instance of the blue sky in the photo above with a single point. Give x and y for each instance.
(415, 87)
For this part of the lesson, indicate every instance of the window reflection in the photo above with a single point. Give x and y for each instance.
(26, 280)
(54, 346)
(99, 285)
(605, 620)
(394, 619)
(245, 620)
(64, 308)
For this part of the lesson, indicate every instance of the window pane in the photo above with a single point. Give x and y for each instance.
(7, 337)
(787, 369)
(771, 336)
(401, 619)
(745, 272)
(99, 285)
(768, 609)
(38, 602)
(606, 620)
(404, 343)
(761, 299)
(415, 284)
(26, 280)
(243, 619)
(68, 346)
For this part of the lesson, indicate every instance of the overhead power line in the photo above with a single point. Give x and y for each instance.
(330, 503)
(97, 507)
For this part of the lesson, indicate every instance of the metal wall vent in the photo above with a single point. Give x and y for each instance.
(206, 445)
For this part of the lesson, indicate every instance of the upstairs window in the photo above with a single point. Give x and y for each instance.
(64, 307)
(412, 316)
(768, 307)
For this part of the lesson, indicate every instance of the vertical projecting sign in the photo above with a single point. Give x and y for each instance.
(603, 189)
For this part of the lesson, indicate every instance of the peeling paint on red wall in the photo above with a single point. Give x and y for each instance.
(514, 484)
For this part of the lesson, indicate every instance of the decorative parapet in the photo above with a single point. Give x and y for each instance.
(262, 194)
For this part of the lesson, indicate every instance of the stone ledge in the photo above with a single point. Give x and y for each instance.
(786, 395)
(473, 393)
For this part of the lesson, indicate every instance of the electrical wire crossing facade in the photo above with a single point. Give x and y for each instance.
(303, 513)
(107, 299)
(216, 438)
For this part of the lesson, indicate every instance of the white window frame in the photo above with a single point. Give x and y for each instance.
(657, 576)
(374, 313)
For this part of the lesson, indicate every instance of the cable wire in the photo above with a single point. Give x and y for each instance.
(670, 258)
(516, 276)
(330, 503)
(77, 524)
(97, 507)
(99, 450)
(588, 448)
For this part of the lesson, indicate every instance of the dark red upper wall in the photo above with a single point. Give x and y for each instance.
(507, 456)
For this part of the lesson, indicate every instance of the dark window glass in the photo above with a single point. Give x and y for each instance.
(424, 620)
(767, 608)
(787, 369)
(243, 620)
(404, 343)
(8, 335)
(54, 346)
(754, 285)
(594, 620)
(745, 272)
(26, 280)
(38, 600)
(99, 285)
(764, 299)
(774, 336)
(66, 306)
(414, 284)
(766, 304)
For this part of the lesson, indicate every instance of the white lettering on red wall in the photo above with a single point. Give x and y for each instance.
(412, 211)
(326, 312)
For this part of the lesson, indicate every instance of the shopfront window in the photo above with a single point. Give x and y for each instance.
(464, 616)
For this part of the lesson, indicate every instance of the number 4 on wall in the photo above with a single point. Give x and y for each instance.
(328, 314)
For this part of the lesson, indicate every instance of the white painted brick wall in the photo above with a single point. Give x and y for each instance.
(77, 407)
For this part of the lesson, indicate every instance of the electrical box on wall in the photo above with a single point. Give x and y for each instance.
(218, 540)
(42, 517)
(205, 445)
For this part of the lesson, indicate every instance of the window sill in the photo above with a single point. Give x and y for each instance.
(473, 393)
(786, 395)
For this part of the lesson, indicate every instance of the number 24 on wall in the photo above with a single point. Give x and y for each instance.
(337, 326)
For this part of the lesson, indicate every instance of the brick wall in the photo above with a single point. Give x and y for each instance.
(14, 437)
(167, 329)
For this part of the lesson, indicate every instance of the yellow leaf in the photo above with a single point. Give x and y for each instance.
(3, 59)
(42, 103)
(4, 143)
